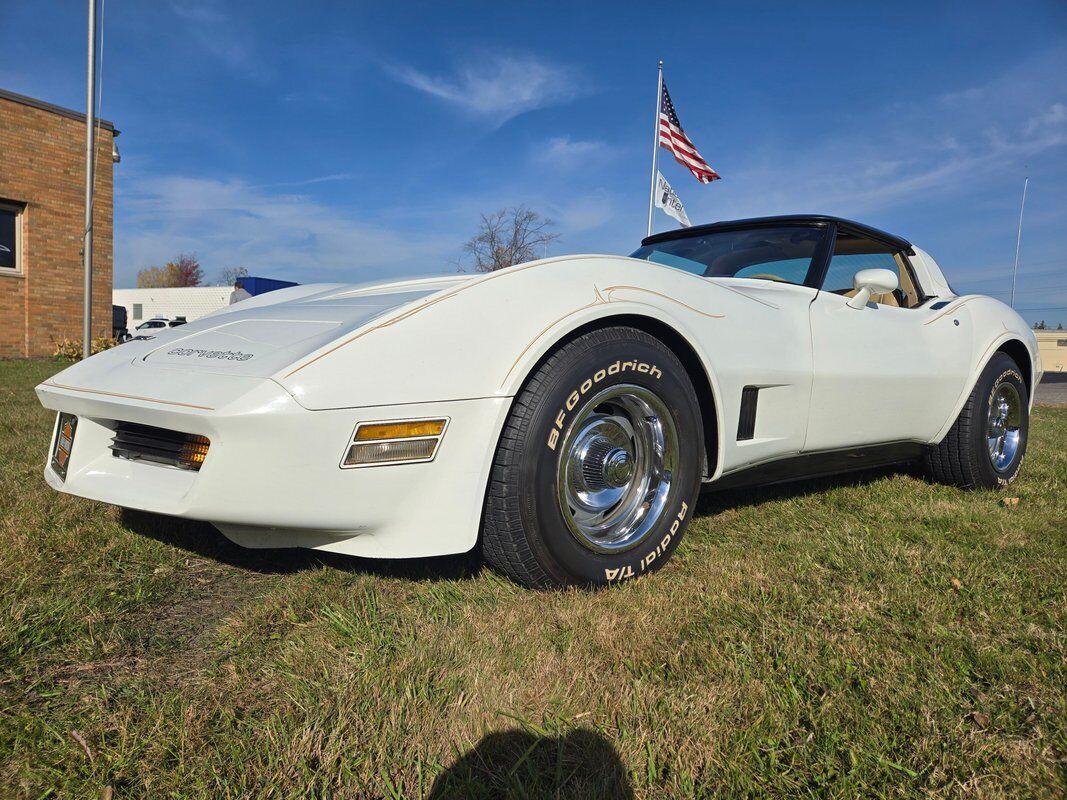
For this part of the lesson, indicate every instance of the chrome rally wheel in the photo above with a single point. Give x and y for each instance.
(618, 461)
(598, 469)
(1003, 432)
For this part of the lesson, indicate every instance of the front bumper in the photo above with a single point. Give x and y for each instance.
(272, 476)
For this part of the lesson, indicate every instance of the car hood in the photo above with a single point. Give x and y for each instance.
(253, 339)
(257, 339)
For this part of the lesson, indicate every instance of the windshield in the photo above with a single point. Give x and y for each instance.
(773, 254)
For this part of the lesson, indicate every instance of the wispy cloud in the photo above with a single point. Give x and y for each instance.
(939, 147)
(214, 31)
(230, 223)
(496, 86)
(1053, 119)
(582, 213)
(331, 178)
(567, 153)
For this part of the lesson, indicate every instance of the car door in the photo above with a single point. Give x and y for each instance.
(759, 278)
(884, 372)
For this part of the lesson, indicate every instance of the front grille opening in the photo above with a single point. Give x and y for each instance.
(161, 446)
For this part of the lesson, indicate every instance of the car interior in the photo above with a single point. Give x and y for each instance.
(853, 253)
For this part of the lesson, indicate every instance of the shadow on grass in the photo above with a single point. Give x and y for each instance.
(713, 501)
(205, 540)
(519, 763)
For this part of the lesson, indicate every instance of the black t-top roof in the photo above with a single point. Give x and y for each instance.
(847, 225)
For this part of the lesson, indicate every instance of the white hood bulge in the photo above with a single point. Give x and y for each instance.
(260, 340)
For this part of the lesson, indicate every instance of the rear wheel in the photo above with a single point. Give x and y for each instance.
(599, 464)
(985, 447)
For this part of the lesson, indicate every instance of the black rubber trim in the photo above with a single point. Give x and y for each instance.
(821, 464)
(746, 422)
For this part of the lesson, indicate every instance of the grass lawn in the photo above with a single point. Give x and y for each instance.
(870, 635)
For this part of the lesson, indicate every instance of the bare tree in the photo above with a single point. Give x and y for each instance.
(509, 236)
(230, 275)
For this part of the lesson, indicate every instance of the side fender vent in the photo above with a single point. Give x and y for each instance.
(746, 423)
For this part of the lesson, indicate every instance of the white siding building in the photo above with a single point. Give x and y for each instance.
(1053, 348)
(190, 302)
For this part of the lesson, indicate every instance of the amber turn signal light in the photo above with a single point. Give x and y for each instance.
(407, 442)
(194, 451)
(378, 431)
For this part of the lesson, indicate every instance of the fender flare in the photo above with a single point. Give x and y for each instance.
(996, 346)
(633, 314)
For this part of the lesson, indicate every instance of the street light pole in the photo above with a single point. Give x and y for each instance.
(1018, 241)
(90, 150)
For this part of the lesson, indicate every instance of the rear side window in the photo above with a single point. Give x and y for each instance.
(853, 253)
(771, 254)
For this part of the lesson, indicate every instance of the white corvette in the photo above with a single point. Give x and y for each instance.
(564, 412)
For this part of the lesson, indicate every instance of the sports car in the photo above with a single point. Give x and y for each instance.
(562, 413)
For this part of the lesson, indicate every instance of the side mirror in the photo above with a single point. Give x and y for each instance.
(872, 281)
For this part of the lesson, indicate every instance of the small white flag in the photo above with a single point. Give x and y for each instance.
(669, 201)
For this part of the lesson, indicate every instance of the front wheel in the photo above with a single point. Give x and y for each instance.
(985, 447)
(598, 468)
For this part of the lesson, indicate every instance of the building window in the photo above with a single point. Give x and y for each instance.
(138, 311)
(10, 238)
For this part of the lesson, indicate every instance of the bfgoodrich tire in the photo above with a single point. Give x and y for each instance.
(598, 467)
(986, 445)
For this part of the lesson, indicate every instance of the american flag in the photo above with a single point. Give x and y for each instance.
(674, 139)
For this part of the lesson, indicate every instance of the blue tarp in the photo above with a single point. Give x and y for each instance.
(256, 286)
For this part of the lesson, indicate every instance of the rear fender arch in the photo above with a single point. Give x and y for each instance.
(1008, 343)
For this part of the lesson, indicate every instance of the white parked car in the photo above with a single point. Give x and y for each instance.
(157, 322)
(564, 412)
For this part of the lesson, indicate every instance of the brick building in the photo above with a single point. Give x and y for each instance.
(42, 214)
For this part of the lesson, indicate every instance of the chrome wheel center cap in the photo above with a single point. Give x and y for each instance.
(618, 468)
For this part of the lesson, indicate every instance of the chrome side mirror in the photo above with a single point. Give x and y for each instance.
(872, 281)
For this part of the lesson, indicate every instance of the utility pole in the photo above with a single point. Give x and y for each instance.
(1018, 240)
(90, 151)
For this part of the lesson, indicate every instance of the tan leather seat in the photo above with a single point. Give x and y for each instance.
(887, 299)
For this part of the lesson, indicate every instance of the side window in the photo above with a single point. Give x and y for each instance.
(853, 253)
(790, 270)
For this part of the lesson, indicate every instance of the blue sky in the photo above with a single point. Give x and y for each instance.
(347, 141)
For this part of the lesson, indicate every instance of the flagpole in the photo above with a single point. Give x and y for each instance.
(655, 149)
(90, 144)
(1018, 240)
